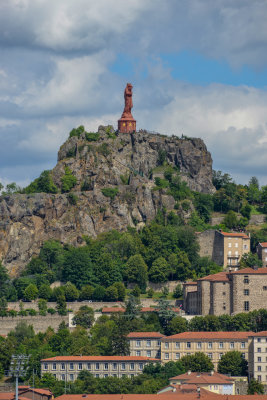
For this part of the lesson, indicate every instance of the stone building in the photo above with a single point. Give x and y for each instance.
(224, 248)
(262, 253)
(230, 292)
(146, 344)
(213, 344)
(67, 368)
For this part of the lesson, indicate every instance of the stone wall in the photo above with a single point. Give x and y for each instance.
(171, 285)
(39, 323)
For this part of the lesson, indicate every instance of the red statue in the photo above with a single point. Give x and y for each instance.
(127, 123)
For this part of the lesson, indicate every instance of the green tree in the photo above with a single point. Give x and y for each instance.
(177, 325)
(133, 307)
(86, 292)
(233, 363)
(78, 267)
(71, 292)
(111, 293)
(45, 292)
(30, 292)
(3, 307)
(22, 332)
(230, 220)
(119, 341)
(99, 293)
(198, 362)
(136, 271)
(121, 290)
(250, 260)
(246, 211)
(255, 387)
(178, 291)
(42, 305)
(84, 317)
(159, 271)
(165, 313)
(42, 184)
(68, 180)
(61, 304)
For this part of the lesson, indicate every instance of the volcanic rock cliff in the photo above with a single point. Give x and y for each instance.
(126, 163)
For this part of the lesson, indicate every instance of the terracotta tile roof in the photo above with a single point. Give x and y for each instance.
(10, 396)
(41, 391)
(263, 244)
(219, 277)
(262, 333)
(145, 335)
(198, 378)
(99, 358)
(209, 335)
(251, 271)
(235, 234)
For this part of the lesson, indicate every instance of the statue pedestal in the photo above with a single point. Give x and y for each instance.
(126, 125)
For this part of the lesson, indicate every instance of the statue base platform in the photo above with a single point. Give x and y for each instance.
(126, 125)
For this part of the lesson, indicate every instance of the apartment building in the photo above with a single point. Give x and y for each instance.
(262, 253)
(213, 344)
(67, 368)
(146, 344)
(258, 356)
(230, 292)
(224, 248)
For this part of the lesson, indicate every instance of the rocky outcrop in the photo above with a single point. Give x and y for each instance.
(126, 162)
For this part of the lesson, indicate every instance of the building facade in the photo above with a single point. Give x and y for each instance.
(258, 356)
(67, 368)
(146, 344)
(230, 292)
(224, 248)
(213, 344)
(262, 253)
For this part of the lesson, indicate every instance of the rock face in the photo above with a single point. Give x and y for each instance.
(126, 162)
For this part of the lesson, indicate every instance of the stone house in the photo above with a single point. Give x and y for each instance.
(230, 292)
(262, 253)
(224, 248)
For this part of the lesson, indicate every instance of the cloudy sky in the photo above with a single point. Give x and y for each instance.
(198, 67)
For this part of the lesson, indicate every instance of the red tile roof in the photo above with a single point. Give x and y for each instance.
(41, 391)
(251, 271)
(235, 234)
(162, 396)
(262, 333)
(198, 378)
(99, 358)
(209, 335)
(219, 277)
(145, 335)
(263, 244)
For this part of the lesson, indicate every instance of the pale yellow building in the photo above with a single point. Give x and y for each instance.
(258, 356)
(146, 344)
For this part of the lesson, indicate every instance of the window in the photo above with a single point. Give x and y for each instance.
(210, 345)
(131, 366)
(259, 368)
(210, 355)
(259, 350)
(166, 345)
(138, 343)
(246, 305)
(236, 244)
(224, 293)
(232, 345)
(105, 375)
(71, 377)
(62, 365)
(177, 345)
(177, 356)
(114, 365)
(138, 353)
(259, 359)
(188, 345)
(159, 343)
(243, 355)
(71, 366)
(80, 366)
(141, 366)
(220, 355)
(229, 253)
(148, 343)
(54, 366)
(246, 292)
(96, 366)
(229, 244)
(166, 356)
(243, 345)
(246, 280)
(97, 375)
(148, 353)
(63, 377)
(221, 345)
(259, 339)
(245, 246)
(259, 378)
(55, 376)
(114, 375)
(199, 345)
(88, 365)
(45, 366)
(123, 366)
(106, 366)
